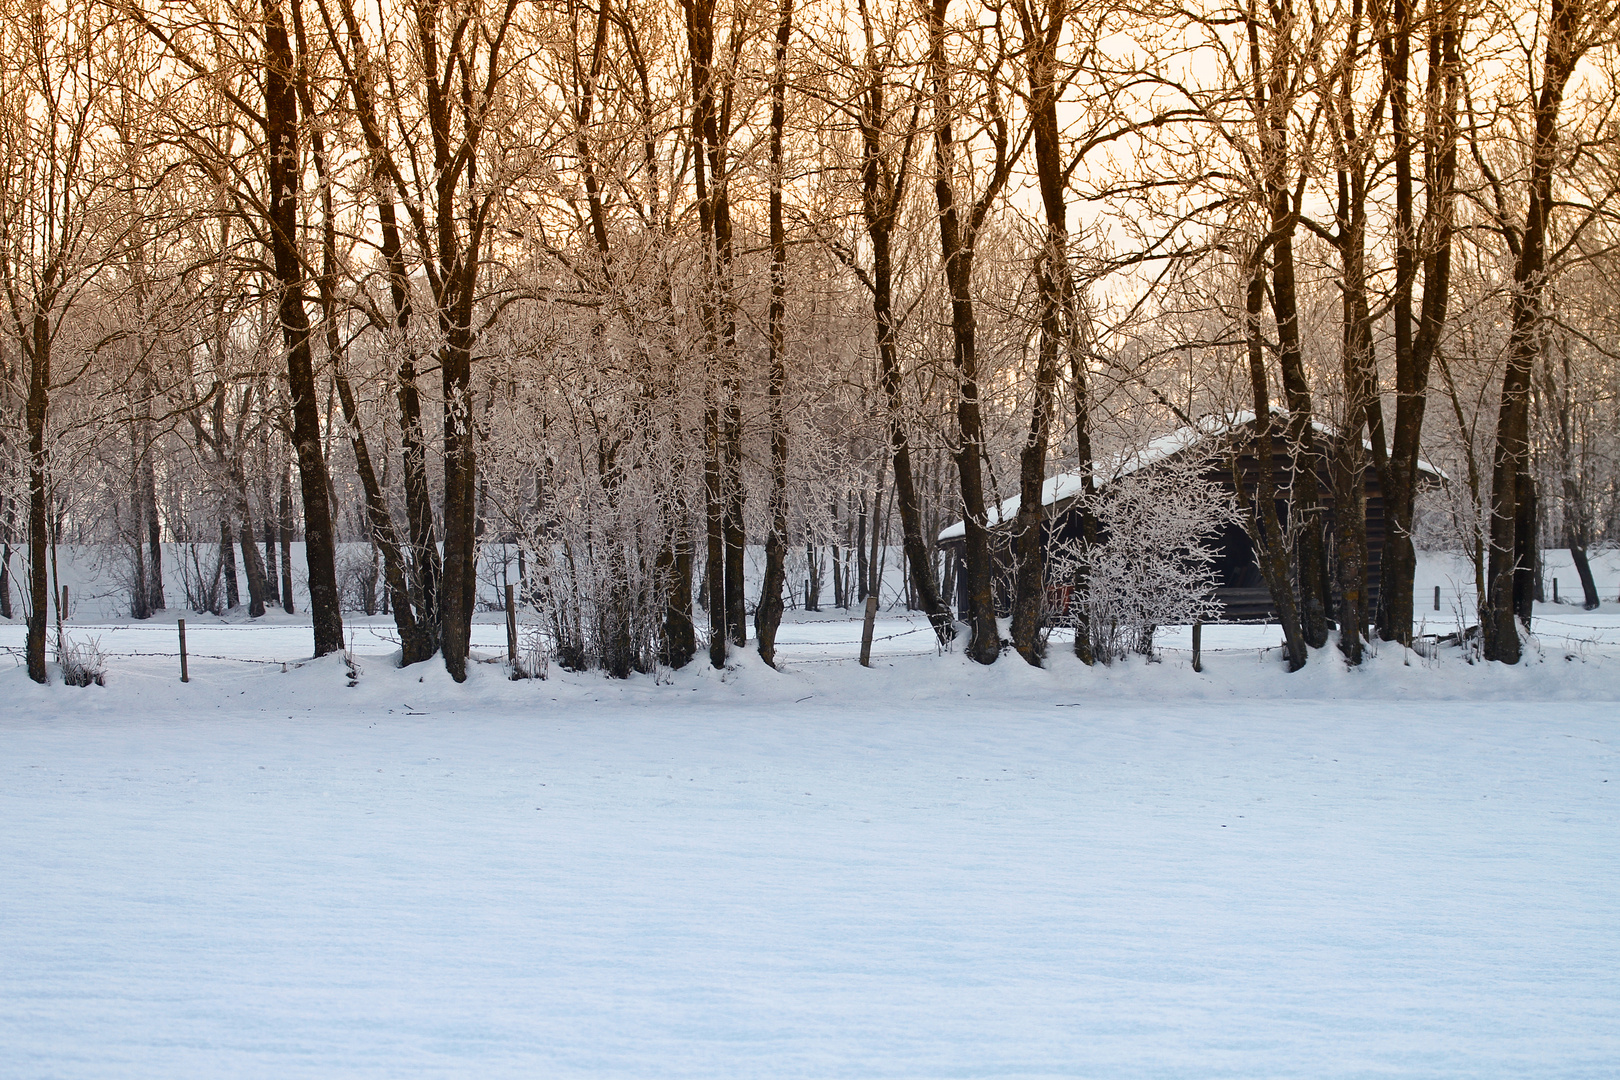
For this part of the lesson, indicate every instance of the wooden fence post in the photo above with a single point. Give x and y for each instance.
(64, 608)
(511, 626)
(866, 630)
(1437, 598)
(185, 676)
(1198, 646)
(1555, 591)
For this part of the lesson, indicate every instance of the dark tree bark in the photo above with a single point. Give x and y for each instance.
(863, 572)
(285, 514)
(242, 512)
(458, 59)
(1353, 153)
(673, 564)
(1305, 454)
(1042, 32)
(883, 188)
(812, 584)
(958, 233)
(1577, 528)
(1508, 594)
(880, 525)
(1262, 520)
(272, 571)
(147, 485)
(1274, 94)
(227, 564)
(417, 643)
(1430, 248)
(1350, 460)
(8, 522)
(281, 131)
(38, 355)
(425, 567)
(253, 568)
(1399, 560)
(1088, 488)
(137, 599)
(714, 576)
(768, 614)
(722, 416)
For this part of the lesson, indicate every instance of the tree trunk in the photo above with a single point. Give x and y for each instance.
(227, 563)
(874, 559)
(714, 576)
(1083, 648)
(285, 513)
(674, 564)
(1512, 523)
(460, 489)
(1307, 514)
(1052, 274)
(1414, 355)
(1559, 401)
(281, 130)
(722, 420)
(1350, 460)
(137, 598)
(417, 643)
(5, 580)
(768, 614)
(883, 186)
(39, 385)
(272, 572)
(1264, 526)
(155, 600)
(1352, 149)
(1399, 561)
(863, 572)
(812, 584)
(253, 566)
(426, 568)
(1274, 94)
(148, 553)
(956, 247)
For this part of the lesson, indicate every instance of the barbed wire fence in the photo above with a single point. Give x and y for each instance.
(1569, 635)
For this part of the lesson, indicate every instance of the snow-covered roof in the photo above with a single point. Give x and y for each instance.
(1064, 486)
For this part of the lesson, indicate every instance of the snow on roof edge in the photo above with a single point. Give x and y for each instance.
(1062, 486)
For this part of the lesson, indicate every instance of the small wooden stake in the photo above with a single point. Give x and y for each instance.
(1555, 591)
(511, 626)
(184, 675)
(1198, 646)
(1437, 598)
(866, 631)
(64, 609)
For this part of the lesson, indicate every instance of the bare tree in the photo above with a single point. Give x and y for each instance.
(1573, 27)
(962, 214)
(57, 228)
(768, 615)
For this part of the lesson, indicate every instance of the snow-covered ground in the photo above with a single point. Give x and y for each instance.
(923, 869)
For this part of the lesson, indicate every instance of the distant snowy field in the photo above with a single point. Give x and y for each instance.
(925, 869)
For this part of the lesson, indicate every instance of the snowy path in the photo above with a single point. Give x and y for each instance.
(720, 879)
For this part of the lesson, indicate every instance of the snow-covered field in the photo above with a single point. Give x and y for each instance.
(924, 869)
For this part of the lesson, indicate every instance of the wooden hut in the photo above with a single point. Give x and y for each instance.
(1227, 449)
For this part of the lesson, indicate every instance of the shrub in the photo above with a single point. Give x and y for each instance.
(82, 662)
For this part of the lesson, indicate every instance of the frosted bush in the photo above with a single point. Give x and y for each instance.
(1153, 563)
(82, 662)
